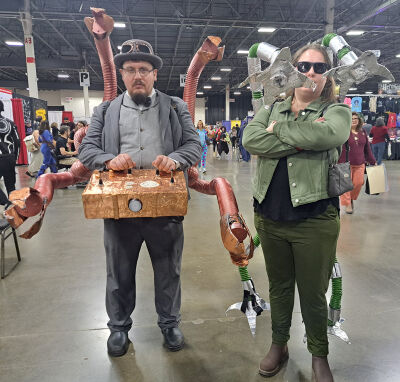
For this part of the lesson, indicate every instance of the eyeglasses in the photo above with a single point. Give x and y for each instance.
(136, 46)
(305, 66)
(143, 72)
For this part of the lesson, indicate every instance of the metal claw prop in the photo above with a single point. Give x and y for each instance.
(252, 304)
(279, 77)
(353, 69)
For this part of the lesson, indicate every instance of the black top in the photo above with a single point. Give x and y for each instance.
(71, 136)
(61, 142)
(277, 204)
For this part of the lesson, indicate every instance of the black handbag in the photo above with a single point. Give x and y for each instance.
(339, 176)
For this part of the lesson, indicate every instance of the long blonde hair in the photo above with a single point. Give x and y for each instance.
(328, 92)
(202, 125)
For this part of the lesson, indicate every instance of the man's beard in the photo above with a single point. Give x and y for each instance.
(141, 99)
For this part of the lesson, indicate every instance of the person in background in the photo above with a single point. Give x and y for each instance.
(47, 149)
(36, 123)
(217, 130)
(36, 157)
(367, 127)
(244, 154)
(234, 134)
(201, 130)
(9, 150)
(28, 128)
(64, 156)
(380, 136)
(222, 142)
(359, 154)
(54, 130)
(296, 220)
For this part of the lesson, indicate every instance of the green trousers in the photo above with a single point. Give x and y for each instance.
(301, 252)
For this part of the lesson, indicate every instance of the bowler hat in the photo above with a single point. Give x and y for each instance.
(137, 50)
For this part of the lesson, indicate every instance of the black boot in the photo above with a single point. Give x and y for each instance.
(173, 339)
(118, 344)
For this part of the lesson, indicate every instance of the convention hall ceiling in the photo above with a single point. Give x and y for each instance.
(176, 29)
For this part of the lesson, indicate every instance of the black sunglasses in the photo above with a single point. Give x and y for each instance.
(305, 66)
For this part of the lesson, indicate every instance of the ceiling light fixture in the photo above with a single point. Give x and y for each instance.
(398, 55)
(63, 75)
(14, 43)
(207, 87)
(368, 92)
(237, 93)
(215, 78)
(352, 89)
(355, 33)
(242, 51)
(266, 29)
(199, 93)
(225, 69)
(386, 81)
(119, 25)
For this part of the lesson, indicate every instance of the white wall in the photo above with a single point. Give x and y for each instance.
(61, 98)
(200, 111)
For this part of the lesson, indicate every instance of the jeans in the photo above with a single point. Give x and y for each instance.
(378, 150)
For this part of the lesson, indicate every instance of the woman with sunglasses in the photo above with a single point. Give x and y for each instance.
(297, 221)
(359, 153)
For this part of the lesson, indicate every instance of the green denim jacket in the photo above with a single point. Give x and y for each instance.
(303, 141)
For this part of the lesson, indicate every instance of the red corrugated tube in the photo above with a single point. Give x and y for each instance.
(209, 51)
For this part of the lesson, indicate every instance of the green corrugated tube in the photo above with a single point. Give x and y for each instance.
(257, 95)
(253, 50)
(256, 240)
(327, 39)
(244, 274)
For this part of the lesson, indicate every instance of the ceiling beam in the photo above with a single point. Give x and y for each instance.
(374, 12)
(178, 38)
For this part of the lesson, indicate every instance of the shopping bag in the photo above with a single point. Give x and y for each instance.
(377, 181)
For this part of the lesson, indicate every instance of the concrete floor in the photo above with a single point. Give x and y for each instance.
(53, 319)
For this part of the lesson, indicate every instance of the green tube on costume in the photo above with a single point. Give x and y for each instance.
(253, 50)
(340, 47)
(336, 297)
(244, 274)
(256, 240)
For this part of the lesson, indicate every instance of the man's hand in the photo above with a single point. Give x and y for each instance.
(164, 163)
(320, 119)
(120, 162)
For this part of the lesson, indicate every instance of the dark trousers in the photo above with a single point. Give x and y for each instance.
(222, 146)
(301, 252)
(7, 171)
(123, 239)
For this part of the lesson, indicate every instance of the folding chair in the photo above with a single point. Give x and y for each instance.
(6, 231)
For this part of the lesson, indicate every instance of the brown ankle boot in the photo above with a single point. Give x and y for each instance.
(321, 369)
(274, 360)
